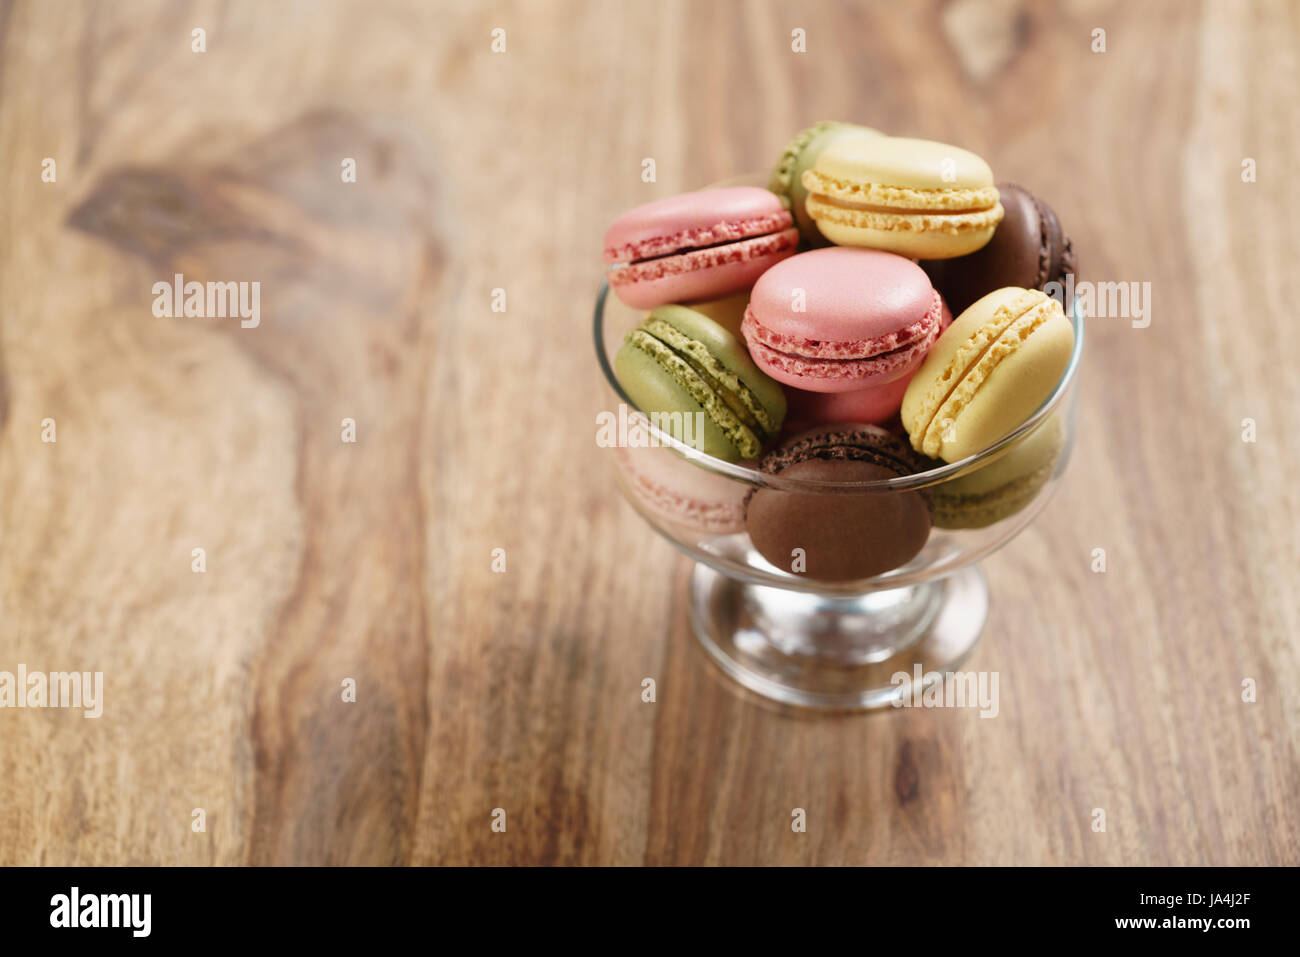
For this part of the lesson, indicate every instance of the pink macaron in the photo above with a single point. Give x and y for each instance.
(672, 489)
(878, 406)
(806, 410)
(842, 319)
(701, 245)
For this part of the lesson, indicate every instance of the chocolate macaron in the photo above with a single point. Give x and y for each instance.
(1029, 249)
(840, 535)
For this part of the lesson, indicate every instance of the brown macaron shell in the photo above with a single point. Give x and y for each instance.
(1056, 257)
(844, 536)
(1029, 249)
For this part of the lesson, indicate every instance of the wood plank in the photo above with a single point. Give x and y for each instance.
(372, 561)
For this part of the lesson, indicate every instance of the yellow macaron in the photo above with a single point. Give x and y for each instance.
(987, 373)
(918, 198)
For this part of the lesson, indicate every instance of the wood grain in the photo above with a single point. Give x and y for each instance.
(520, 690)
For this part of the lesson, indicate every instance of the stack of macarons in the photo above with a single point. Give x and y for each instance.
(809, 326)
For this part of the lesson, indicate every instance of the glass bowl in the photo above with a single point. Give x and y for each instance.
(810, 642)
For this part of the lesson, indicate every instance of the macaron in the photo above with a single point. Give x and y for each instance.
(799, 157)
(702, 245)
(839, 535)
(842, 320)
(1028, 249)
(877, 406)
(918, 198)
(1005, 485)
(989, 371)
(727, 312)
(806, 410)
(672, 489)
(687, 369)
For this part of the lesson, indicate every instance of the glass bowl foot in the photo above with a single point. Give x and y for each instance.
(818, 651)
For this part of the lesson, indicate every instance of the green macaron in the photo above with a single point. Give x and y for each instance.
(787, 178)
(681, 361)
(1005, 485)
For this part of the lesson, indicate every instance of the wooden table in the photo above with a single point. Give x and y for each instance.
(371, 560)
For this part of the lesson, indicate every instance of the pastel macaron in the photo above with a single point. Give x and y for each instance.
(806, 410)
(702, 245)
(799, 156)
(918, 198)
(1005, 485)
(989, 371)
(842, 320)
(1029, 249)
(728, 312)
(692, 375)
(673, 490)
(876, 406)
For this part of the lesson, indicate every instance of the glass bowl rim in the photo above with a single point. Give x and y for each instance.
(756, 477)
